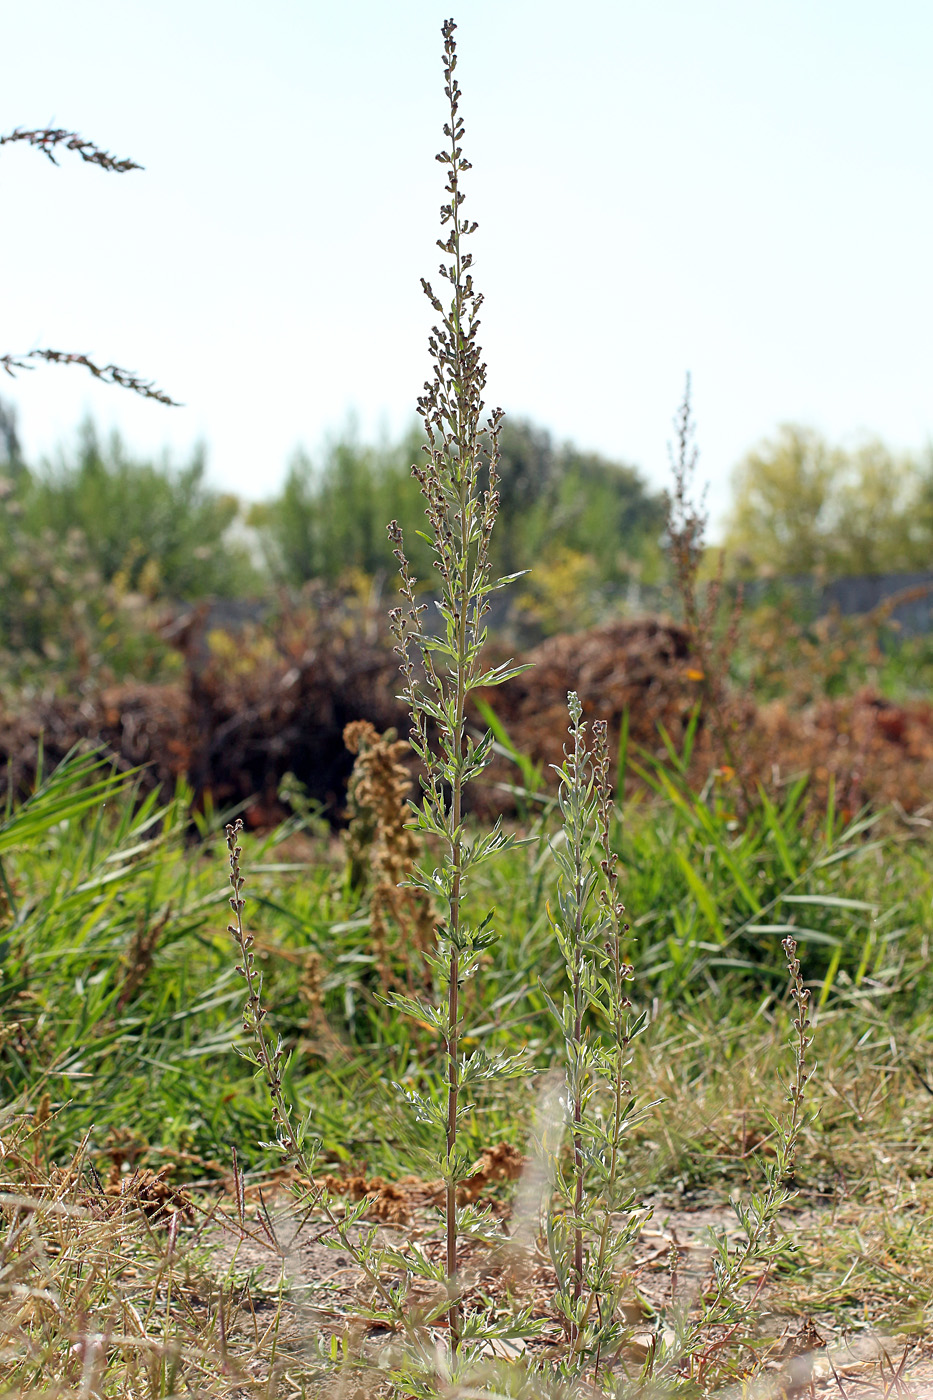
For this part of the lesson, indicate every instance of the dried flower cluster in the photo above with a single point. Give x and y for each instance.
(136, 961)
(382, 848)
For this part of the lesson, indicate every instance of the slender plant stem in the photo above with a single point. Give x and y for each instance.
(578, 838)
(269, 1061)
(461, 515)
(462, 576)
(578, 1088)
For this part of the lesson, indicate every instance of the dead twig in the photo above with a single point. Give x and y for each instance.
(108, 374)
(47, 139)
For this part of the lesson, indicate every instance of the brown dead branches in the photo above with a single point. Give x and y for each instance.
(108, 374)
(49, 139)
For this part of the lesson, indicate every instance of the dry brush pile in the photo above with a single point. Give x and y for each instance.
(275, 698)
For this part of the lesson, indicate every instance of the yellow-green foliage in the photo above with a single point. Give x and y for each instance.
(802, 505)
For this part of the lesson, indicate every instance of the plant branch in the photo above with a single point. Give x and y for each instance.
(49, 139)
(108, 374)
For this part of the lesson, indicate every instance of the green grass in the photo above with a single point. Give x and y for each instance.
(147, 1058)
(111, 1055)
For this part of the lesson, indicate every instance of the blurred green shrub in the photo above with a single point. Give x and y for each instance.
(90, 546)
(149, 527)
(62, 623)
(559, 501)
(330, 517)
(95, 542)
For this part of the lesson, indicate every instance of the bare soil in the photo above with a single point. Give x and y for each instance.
(279, 1262)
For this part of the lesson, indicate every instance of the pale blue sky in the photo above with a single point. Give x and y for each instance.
(738, 188)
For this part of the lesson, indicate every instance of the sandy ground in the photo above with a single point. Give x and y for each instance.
(276, 1256)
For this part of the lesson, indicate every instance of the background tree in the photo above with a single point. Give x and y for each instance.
(557, 499)
(802, 506)
(11, 457)
(50, 586)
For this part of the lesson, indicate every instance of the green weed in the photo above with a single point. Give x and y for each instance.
(133, 1138)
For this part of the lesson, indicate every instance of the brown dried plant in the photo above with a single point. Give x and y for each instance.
(319, 1036)
(382, 849)
(108, 374)
(137, 958)
(48, 139)
(711, 644)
